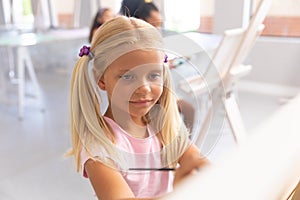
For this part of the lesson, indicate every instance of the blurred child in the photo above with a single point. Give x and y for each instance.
(103, 15)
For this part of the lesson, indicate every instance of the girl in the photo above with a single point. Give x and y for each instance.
(129, 152)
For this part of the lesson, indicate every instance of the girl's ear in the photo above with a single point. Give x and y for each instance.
(101, 83)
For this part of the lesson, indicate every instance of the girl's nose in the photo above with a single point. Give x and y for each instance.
(144, 87)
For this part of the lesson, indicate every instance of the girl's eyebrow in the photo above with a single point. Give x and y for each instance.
(156, 70)
(123, 70)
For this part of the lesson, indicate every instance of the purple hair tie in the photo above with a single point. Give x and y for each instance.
(85, 51)
(166, 58)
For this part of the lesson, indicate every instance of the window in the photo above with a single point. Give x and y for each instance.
(206, 16)
(283, 18)
(22, 13)
(27, 16)
(188, 15)
(182, 16)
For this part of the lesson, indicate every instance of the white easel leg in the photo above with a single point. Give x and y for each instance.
(234, 118)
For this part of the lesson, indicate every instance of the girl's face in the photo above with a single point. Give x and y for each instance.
(155, 19)
(134, 83)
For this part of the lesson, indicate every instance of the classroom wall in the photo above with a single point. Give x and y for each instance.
(276, 64)
(226, 17)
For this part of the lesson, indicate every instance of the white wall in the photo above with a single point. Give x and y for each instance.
(230, 14)
(65, 6)
(276, 61)
(288, 8)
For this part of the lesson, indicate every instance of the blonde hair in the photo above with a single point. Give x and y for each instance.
(88, 128)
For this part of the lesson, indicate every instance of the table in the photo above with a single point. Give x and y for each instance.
(21, 42)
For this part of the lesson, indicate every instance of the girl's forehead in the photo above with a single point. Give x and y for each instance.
(140, 69)
(149, 58)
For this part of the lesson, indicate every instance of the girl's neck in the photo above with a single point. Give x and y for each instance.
(133, 126)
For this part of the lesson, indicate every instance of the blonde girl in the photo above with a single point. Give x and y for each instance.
(138, 148)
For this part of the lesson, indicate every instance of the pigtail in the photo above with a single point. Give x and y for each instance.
(85, 127)
(78, 98)
(174, 134)
(74, 114)
(89, 130)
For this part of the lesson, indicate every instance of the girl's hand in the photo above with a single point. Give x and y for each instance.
(191, 162)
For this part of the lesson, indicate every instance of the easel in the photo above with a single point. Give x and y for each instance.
(295, 194)
(224, 70)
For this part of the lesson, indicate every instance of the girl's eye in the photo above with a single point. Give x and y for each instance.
(154, 76)
(127, 77)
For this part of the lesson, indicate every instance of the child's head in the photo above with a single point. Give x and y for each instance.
(103, 15)
(128, 7)
(149, 13)
(134, 84)
(128, 53)
(126, 59)
(142, 9)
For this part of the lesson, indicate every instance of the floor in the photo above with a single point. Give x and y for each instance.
(32, 150)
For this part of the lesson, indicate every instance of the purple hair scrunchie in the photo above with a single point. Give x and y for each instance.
(166, 58)
(84, 51)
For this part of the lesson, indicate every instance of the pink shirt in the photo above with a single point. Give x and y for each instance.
(140, 153)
